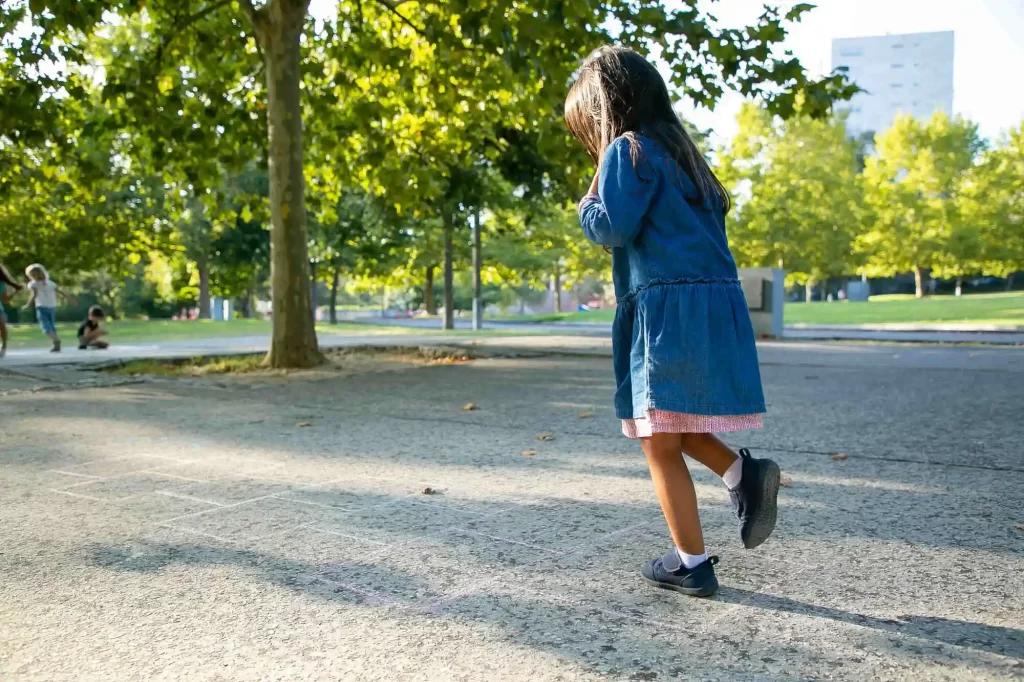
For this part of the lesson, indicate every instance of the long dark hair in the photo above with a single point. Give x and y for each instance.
(6, 278)
(618, 93)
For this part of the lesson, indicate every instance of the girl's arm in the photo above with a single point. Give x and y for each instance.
(31, 300)
(613, 216)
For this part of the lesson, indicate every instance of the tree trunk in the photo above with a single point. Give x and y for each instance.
(1009, 282)
(809, 290)
(449, 278)
(556, 288)
(335, 278)
(959, 285)
(204, 288)
(312, 288)
(428, 291)
(293, 341)
(244, 304)
(478, 298)
(918, 282)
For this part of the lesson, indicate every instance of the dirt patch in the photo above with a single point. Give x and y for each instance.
(341, 360)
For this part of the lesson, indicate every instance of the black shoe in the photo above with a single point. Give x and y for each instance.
(756, 499)
(669, 573)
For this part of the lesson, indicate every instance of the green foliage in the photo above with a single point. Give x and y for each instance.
(417, 115)
(914, 187)
(992, 204)
(805, 206)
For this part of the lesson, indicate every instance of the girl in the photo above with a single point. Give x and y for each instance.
(44, 298)
(683, 347)
(8, 287)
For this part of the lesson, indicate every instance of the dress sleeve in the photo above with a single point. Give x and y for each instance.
(614, 216)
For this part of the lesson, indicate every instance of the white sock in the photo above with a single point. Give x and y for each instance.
(691, 560)
(733, 474)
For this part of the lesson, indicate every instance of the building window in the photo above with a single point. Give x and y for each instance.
(851, 52)
(897, 46)
(897, 85)
(897, 66)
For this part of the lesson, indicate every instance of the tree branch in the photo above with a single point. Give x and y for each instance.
(392, 6)
(250, 11)
(183, 23)
(257, 17)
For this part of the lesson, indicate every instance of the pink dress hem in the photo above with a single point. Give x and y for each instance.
(663, 421)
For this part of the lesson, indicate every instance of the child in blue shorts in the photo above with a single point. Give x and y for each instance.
(44, 297)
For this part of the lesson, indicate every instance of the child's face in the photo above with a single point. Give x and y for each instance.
(37, 275)
(96, 317)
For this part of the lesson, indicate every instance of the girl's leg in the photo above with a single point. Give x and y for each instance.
(753, 483)
(709, 450)
(3, 337)
(675, 491)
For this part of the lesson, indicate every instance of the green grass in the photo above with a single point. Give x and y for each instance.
(995, 309)
(592, 316)
(28, 335)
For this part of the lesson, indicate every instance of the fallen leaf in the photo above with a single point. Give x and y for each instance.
(786, 482)
(302, 424)
(839, 456)
(529, 453)
(430, 491)
(585, 415)
(470, 407)
(546, 436)
(1019, 526)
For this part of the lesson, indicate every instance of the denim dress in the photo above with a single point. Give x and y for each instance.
(682, 343)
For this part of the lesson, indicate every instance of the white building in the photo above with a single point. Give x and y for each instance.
(911, 73)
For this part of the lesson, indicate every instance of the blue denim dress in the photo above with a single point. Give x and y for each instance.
(682, 339)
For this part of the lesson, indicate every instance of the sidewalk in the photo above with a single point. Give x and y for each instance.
(804, 353)
(363, 525)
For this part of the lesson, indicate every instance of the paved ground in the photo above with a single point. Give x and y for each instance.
(277, 527)
(924, 333)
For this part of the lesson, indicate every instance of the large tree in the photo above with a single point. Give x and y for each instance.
(798, 195)
(992, 204)
(913, 186)
(502, 48)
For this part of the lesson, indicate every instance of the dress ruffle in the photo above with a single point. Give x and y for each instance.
(663, 421)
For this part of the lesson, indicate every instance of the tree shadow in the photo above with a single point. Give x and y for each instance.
(993, 639)
(618, 644)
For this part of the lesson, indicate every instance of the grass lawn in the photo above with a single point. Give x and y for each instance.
(28, 335)
(592, 316)
(1001, 309)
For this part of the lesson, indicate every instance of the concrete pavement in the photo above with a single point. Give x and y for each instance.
(356, 523)
(895, 333)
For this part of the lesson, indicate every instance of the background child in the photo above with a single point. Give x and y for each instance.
(44, 297)
(8, 287)
(683, 347)
(90, 333)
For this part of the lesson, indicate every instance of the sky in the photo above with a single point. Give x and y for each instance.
(988, 53)
(988, 57)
